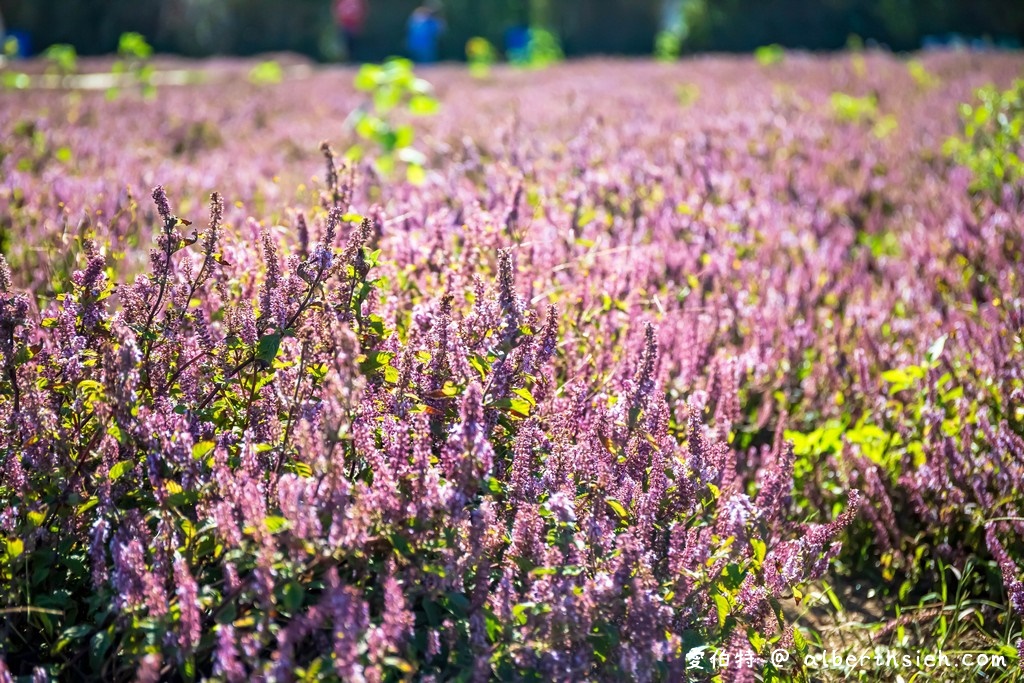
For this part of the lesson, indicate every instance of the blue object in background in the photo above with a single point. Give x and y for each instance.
(424, 30)
(517, 39)
(22, 41)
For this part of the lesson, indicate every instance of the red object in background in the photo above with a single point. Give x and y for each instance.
(350, 14)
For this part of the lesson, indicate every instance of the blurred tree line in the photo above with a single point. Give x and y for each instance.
(740, 25)
(244, 27)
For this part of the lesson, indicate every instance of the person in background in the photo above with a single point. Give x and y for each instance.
(350, 16)
(517, 35)
(424, 30)
(517, 43)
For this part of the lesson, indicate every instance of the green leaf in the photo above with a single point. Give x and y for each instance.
(494, 487)
(520, 407)
(895, 376)
(432, 612)
(733, 576)
(374, 361)
(318, 371)
(292, 596)
(368, 77)
(15, 547)
(722, 605)
(435, 569)
(268, 347)
(90, 387)
(355, 152)
(15, 80)
(76, 632)
(397, 663)
(203, 448)
(375, 324)
(415, 174)
(386, 98)
(370, 128)
(798, 637)
(953, 394)
(275, 523)
(458, 604)
(404, 136)
(300, 468)
(98, 646)
(617, 508)
(133, 44)
(423, 105)
(480, 364)
(525, 394)
(401, 545)
(494, 626)
(767, 55)
(519, 611)
(120, 469)
(758, 641)
(760, 549)
(266, 73)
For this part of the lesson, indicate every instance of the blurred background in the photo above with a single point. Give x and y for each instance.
(582, 27)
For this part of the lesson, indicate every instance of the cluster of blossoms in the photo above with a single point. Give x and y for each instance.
(331, 478)
(608, 387)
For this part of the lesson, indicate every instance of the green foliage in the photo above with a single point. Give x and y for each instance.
(481, 55)
(14, 80)
(40, 148)
(62, 58)
(542, 50)
(925, 79)
(266, 73)
(687, 94)
(134, 54)
(134, 46)
(61, 61)
(991, 145)
(132, 68)
(393, 88)
(862, 110)
(850, 109)
(767, 55)
(925, 407)
(667, 46)
(48, 588)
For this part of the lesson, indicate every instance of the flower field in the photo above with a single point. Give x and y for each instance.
(615, 370)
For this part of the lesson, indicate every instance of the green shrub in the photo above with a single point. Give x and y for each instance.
(991, 144)
(767, 55)
(393, 87)
(134, 54)
(480, 54)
